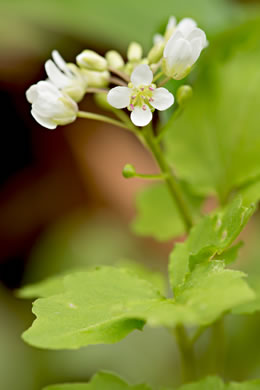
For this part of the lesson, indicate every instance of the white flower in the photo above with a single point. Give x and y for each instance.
(66, 77)
(51, 107)
(183, 49)
(141, 96)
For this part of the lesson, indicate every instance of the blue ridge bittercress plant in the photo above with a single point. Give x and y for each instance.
(105, 304)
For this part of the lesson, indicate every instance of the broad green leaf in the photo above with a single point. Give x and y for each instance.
(101, 381)
(45, 288)
(158, 215)
(96, 307)
(211, 237)
(254, 305)
(214, 145)
(104, 305)
(215, 383)
(157, 279)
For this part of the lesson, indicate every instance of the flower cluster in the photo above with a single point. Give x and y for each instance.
(137, 82)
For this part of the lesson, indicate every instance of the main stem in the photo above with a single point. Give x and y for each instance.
(184, 343)
(170, 180)
(187, 354)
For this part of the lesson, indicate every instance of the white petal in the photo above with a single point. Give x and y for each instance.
(56, 76)
(171, 23)
(186, 26)
(170, 46)
(31, 93)
(197, 47)
(162, 99)
(142, 75)
(43, 121)
(141, 117)
(181, 54)
(198, 33)
(119, 97)
(59, 61)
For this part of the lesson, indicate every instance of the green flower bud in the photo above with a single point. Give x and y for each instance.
(134, 52)
(129, 171)
(114, 59)
(91, 60)
(96, 79)
(156, 53)
(184, 94)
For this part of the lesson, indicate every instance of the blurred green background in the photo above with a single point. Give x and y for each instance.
(63, 202)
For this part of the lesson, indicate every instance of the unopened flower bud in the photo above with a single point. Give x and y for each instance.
(96, 79)
(91, 60)
(114, 59)
(134, 52)
(129, 171)
(156, 53)
(184, 94)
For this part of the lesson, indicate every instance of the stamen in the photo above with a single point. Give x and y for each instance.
(133, 97)
(142, 89)
(143, 97)
(151, 88)
(151, 100)
(144, 107)
(132, 107)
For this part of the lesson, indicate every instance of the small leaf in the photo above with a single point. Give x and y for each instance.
(158, 215)
(211, 237)
(101, 381)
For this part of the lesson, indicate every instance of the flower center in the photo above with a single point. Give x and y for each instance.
(141, 96)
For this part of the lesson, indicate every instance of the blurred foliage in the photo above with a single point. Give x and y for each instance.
(108, 23)
(215, 144)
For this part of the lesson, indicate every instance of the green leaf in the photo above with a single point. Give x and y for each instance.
(101, 381)
(254, 305)
(214, 145)
(104, 305)
(211, 237)
(96, 306)
(158, 215)
(157, 279)
(251, 192)
(215, 383)
(45, 288)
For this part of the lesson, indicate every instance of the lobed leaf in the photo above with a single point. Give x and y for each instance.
(211, 237)
(101, 381)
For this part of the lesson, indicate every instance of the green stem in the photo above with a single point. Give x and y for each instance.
(117, 81)
(157, 76)
(96, 90)
(119, 73)
(103, 118)
(164, 130)
(163, 82)
(187, 354)
(150, 177)
(170, 180)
